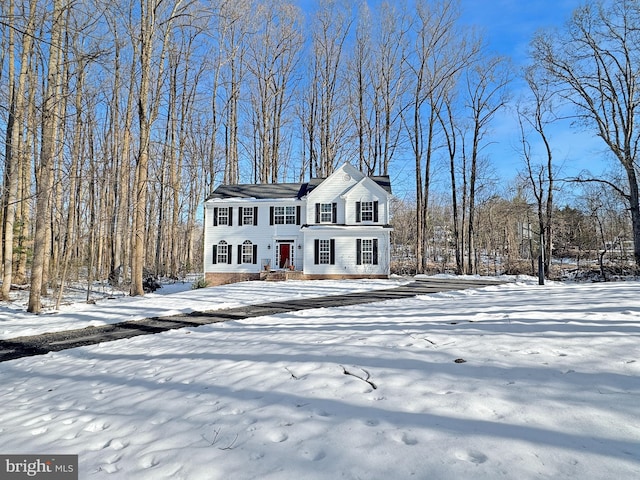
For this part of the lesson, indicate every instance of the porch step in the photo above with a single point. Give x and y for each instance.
(281, 275)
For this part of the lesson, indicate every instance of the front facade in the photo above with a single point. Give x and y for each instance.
(337, 227)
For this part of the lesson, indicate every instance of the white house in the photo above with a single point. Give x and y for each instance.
(336, 227)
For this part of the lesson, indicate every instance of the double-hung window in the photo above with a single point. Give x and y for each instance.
(285, 215)
(222, 216)
(324, 252)
(326, 213)
(366, 211)
(247, 215)
(221, 252)
(247, 252)
(367, 251)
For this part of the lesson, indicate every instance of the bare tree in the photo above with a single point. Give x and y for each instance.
(152, 25)
(15, 148)
(50, 131)
(273, 54)
(485, 95)
(592, 64)
(331, 27)
(537, 116)
(440, 53)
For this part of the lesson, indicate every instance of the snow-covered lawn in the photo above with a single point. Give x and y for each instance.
(549, 388)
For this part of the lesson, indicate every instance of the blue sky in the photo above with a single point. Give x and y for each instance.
(508, 26)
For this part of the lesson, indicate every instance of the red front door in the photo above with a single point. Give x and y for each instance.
(285, 255)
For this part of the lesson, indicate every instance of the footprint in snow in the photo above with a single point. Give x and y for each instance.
(313, 455)
(472, 456)
(278, 437)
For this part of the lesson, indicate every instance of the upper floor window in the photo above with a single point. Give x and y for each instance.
(222, 216)
(285, 215)
(326, 212)
(367, 211)
(248, 215)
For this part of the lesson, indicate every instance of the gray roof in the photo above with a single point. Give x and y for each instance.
(280, 190)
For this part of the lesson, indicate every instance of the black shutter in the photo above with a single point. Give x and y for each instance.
(358, 206)
(255, 254)
(332, 253)
(358, 251)
(215, 217)
(334, 212)
(375, 211)
(271, 215)
(317, 213)
(375, 251)
(316, 251)
(240, 253)
(255, 216)
(230, 216)
(239, 216)
(229, 252)
(298, 215)
(215, 254)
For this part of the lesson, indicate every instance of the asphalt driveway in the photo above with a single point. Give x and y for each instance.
(52, 342)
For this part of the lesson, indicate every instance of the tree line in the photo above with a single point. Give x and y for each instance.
(119, 117)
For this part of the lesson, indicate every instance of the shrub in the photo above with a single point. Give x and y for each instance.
(200, 283)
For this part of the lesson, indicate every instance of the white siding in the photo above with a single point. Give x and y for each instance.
(345, 187)
(263, 235)
(345, 251)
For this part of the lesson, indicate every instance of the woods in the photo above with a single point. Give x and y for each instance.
(119, 118)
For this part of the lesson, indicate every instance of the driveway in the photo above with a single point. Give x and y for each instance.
(53, 342)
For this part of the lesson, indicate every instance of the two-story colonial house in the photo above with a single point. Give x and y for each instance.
(336, 227)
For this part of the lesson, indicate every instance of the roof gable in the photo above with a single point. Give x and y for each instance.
(371, 184)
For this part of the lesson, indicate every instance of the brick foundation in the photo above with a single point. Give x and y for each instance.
(214, 279)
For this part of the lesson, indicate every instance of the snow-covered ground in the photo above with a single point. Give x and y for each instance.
(549, 387)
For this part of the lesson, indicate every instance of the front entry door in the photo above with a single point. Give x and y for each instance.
(285, 255)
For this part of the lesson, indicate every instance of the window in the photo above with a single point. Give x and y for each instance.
(326, 212)
(248, 215)
(221, 253)
(324, 252)
(284, 215)
(367, 211)
(367, 251)
(247, 252)
(222, 216)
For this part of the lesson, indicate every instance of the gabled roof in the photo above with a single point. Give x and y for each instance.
(280, 190)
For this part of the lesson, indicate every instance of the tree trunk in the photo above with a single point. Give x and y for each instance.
(50, 124)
